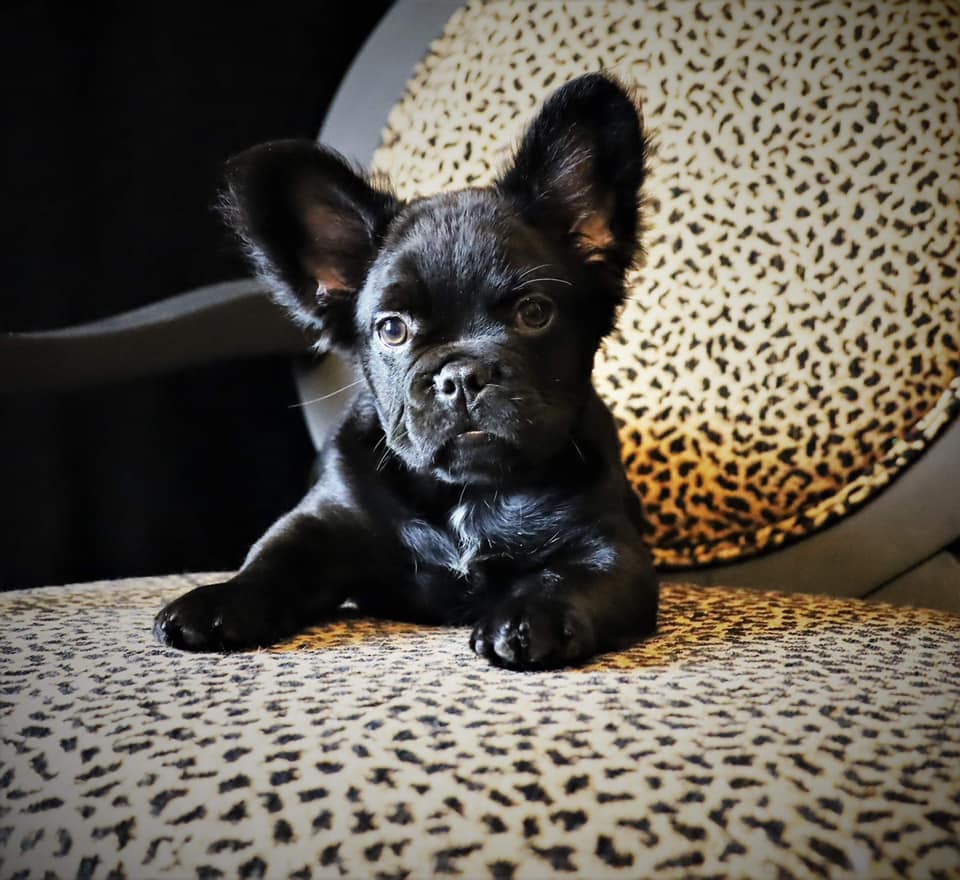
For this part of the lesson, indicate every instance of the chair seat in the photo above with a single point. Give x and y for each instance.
(757, 734)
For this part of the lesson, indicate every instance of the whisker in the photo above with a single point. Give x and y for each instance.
(574, 442)
(327, 396)
(386, 454)
(536, 280)
(534, 269)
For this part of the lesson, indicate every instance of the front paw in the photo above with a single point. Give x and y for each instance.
(216, 617)
(533, 633)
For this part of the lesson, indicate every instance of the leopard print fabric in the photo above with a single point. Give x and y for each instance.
(757, 735)
(793, 341)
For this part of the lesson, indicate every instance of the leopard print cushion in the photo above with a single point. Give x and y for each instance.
(793, 342)
(757, 735)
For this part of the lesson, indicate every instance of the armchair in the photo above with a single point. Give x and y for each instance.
(761, 732)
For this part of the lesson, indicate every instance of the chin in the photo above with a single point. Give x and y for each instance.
(476, 458)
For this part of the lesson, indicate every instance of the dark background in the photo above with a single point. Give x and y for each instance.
(117, 119)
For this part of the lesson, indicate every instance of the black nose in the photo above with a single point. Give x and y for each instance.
(461, 381)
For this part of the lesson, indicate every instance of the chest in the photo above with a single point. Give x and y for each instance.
(500, 531)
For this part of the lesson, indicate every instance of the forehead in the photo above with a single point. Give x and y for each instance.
(459, 247)
(456, 227)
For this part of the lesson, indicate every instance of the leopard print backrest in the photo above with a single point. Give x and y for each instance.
(793, 341)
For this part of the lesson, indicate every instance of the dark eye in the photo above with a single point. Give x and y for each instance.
(393, 331)
(533, 313)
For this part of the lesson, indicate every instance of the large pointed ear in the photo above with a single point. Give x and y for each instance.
(311, 225)
(578, 171)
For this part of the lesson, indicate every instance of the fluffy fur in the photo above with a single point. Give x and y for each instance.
(477, 477)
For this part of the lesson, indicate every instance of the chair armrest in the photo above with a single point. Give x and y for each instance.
(208, 324)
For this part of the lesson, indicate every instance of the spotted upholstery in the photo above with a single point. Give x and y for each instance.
(757, 735)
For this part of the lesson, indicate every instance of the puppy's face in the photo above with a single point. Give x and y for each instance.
(471, 336)
(474, 315)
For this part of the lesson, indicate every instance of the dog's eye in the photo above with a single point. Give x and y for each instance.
(533, 313)
(393, 331)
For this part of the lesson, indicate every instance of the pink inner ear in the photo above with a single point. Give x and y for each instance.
(593, 236)
(336, 248)
(574, 184)
(327, 277)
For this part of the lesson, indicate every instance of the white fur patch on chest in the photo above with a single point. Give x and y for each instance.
(456, 547)
(466, 535)
(479, 529)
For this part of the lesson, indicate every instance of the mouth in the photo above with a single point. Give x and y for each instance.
(474, 456)
(472, 437)
(482, 444)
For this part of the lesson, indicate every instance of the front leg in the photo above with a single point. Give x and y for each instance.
(298, 573)
(570, 611)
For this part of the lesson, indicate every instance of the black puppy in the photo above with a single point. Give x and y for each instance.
(477, 476)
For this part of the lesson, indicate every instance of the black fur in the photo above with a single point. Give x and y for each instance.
(477, 477)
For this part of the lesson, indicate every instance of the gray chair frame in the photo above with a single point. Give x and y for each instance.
(901, 546)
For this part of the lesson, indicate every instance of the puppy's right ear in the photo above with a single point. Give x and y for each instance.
(311, 225)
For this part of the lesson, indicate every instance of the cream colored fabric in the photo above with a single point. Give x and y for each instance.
(793, 342)
(757, 735)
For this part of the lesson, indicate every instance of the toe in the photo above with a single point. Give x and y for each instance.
(163, 629)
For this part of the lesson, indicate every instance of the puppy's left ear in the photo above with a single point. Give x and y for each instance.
(579, 169)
